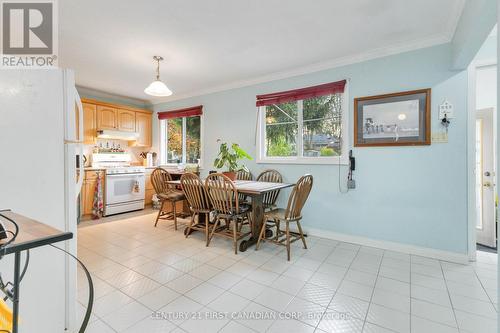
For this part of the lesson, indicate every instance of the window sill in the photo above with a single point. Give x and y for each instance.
(305, 161)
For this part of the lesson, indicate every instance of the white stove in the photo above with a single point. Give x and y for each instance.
(124, 188)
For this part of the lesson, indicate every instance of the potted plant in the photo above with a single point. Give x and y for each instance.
(229, 157)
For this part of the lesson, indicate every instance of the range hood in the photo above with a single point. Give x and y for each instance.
(117, 135)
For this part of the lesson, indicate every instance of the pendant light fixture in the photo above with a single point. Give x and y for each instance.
(157, 87)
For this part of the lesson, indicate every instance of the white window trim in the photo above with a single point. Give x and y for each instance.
(343, 159)
(164, 138)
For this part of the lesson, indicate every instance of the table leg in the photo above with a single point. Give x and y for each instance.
(15, 301)
(257, 220)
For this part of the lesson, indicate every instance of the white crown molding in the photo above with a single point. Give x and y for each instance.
(391, 246)
(343, 61)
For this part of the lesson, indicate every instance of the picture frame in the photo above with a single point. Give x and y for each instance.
(397, 119)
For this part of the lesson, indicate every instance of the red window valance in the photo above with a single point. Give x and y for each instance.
(303, 93)
(186, 112)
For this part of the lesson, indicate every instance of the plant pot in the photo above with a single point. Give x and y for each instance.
(230, 174)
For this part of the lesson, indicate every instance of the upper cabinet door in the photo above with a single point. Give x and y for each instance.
(126, 120)
(144, 125)
(106, 118)
(89, 123)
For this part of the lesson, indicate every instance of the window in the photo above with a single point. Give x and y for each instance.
(180, 137)
(304, 130)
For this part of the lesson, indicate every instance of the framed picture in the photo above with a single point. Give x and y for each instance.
(399, 119)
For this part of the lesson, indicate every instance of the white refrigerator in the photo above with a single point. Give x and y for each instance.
(41, 133)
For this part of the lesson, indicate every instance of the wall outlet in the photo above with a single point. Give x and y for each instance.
(446, 109)
(439, 137)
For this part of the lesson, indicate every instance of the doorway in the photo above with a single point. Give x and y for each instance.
(485, 156)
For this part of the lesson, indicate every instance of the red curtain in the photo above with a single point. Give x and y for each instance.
(304, 93)
(187, 112)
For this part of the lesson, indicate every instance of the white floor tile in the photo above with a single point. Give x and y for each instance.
(290, 325)
(110, 303)
(184, 283)
(126, 316)
(165, 275)
(229, 302)
(248, 289)
(349, 305)
(140, 287)
(265, 320)
(392, 285)
(420, 325)
(357, 290)
(180, 309)
(99, 327)
(204, 293)
(150, 279)
(388, 318)
(204, 321)
(316, 294)
(474, 323)
(305, 311)
(433, 312)
(287, 284)
(158, 298)
(430, 295)
(334, 322)
(325, 280)
(273, 299)
(235, 327)
(474, 306)
(391, 300)
(372, 328)
(151, 325)
(225, 280)
(361, 277)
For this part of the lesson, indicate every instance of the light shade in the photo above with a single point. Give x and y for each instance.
(158, 88)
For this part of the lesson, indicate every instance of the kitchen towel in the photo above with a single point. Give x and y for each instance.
(98, 204)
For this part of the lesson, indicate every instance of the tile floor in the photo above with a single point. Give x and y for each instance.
(154, 280)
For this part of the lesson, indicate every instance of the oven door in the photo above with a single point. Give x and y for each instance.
(122, 188)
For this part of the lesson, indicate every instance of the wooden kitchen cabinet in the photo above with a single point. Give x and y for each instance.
(107, 118)
(89, 123)
(126, 120)
(149, 189)
(143, 126)
(101, 115)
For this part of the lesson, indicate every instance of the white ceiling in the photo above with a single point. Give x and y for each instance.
(218, 44)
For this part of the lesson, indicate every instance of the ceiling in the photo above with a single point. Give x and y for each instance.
(215, 45)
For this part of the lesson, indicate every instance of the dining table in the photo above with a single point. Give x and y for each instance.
(256, 191)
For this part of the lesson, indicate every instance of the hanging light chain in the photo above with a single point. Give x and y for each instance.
(158, 59)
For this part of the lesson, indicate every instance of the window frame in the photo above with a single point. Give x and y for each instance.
(343, 159)
(164, 140)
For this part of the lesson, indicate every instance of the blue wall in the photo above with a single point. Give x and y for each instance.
(410, 195)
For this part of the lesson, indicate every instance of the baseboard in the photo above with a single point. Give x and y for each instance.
(392, 246)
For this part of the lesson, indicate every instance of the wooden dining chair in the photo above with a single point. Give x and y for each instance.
(292, 213)
(199, 203)
(272, 176)
(166, 193)
(224, 198)
(243, 175)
